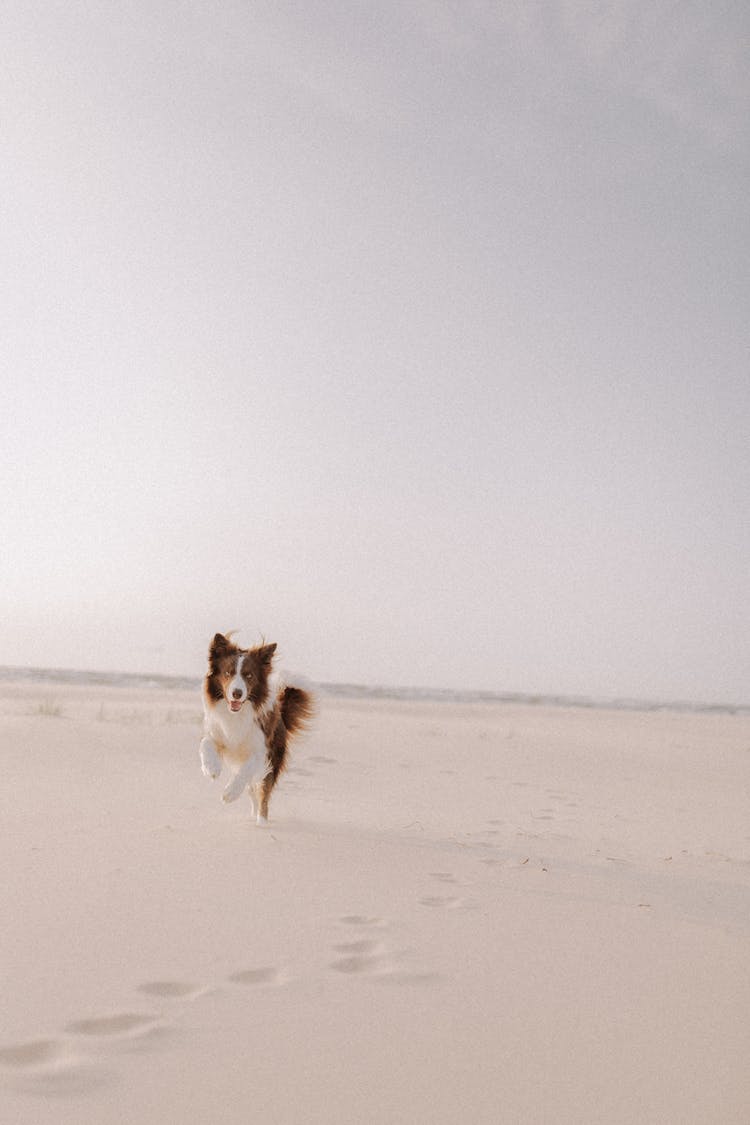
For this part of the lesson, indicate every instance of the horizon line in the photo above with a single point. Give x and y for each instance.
(402, 692)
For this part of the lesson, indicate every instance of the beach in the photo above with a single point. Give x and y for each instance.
(482, 912)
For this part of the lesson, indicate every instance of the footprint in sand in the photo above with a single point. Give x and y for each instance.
(358, 963)
(444, 901)
(55, 1068)
(360, 920)
(364, 946)
(48, 1068)
(371, 959)
(364, 955)
(170, 989)
(126, 1023)
(37, 1053)
(266, 975)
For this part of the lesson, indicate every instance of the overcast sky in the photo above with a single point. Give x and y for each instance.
(410, 334)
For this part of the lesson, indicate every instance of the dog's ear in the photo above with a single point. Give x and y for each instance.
(219, 647)
(265, 654)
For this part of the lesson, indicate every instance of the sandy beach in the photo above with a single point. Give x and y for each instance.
(484, 913)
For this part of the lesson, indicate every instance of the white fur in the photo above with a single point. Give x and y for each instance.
(244, 747)
(248, 776)
(237, 683)
(210, 758)
(237, 731)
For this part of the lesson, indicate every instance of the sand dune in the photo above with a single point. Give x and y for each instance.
(492, 913)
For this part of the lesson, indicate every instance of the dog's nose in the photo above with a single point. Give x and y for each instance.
(236, 694)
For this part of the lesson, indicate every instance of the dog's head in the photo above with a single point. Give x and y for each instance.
(238, 675)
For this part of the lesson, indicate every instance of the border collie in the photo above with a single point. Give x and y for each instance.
(249, 715)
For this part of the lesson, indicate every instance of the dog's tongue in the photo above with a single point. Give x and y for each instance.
(235, 704)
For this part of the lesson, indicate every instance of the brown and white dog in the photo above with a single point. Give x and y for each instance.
(249, 715)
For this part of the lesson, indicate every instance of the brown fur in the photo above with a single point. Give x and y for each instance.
(256, 666)
(293, 711)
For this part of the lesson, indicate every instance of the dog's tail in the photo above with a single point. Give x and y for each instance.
(292, 711)
(297, 704)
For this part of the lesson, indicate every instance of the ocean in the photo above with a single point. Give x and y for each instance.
(365, 691)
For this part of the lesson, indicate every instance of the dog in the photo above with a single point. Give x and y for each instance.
(250, 714)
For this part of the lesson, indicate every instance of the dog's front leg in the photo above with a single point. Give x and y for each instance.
(210, 758)
(250, 773)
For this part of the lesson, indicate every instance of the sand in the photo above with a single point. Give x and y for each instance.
(487, 913)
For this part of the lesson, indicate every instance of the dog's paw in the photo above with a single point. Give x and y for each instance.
(210, 760)
(234, 790)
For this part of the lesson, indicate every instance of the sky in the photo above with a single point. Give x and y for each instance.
(410, 335)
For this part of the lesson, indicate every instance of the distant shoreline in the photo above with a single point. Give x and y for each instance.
(364, 691)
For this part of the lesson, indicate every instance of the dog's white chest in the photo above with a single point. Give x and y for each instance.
(238, 733)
